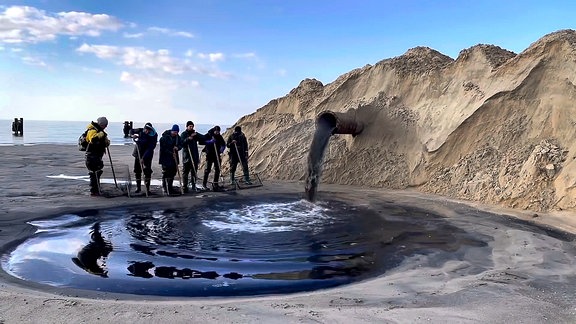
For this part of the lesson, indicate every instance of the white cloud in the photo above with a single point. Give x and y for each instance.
(189, 53)
(101, 51)
(138, 58)
(136, 35)
(159, 61)
(170, 32)
(144, 82)
(159, 30)
(33, 61)
(23, 24)
(212, 57)
(184, 34)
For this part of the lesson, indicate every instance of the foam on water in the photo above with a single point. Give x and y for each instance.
(269, 217)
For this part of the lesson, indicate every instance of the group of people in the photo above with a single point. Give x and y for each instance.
(171, 143)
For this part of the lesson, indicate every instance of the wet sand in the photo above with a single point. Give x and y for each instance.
(523, 274)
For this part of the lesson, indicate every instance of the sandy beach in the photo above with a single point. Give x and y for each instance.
(524, 274)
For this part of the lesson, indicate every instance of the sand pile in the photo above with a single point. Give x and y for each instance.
(491, 125)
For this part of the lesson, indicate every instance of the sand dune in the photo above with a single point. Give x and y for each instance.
(490, 126)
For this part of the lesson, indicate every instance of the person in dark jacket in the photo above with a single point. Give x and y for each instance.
(145, 139)
(170, 144)
(127, 129)
(214, 146)
(238, 152)
(190, 157)
(97, 143)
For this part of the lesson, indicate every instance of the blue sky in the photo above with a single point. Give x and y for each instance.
(215, 61)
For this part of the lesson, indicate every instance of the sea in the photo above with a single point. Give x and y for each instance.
(67, 132)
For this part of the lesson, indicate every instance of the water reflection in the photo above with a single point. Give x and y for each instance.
(149, 270)
(92, 257)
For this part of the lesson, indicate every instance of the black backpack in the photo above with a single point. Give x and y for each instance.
(82, 142)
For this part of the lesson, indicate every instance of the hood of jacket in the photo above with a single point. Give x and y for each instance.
(152, 132)
(94, 126)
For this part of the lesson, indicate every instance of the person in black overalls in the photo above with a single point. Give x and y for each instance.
(145, 139)
(215, 145)
(238, 152)
(170, 144)
(190, 157)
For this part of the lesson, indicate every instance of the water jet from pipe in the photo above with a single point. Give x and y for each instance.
(328, 123)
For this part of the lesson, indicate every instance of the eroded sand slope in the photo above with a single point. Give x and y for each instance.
(490, 126)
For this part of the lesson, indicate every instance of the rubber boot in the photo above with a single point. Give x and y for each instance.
(98, 176)
(171, 191)
(147, 184)
(138, 186)
(93, 184)
(247, 179)
(185, 182)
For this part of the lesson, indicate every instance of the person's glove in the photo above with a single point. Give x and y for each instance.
(222, 148)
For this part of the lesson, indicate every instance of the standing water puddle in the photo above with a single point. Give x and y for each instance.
(228, 248)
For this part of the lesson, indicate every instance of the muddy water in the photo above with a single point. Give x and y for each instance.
(315, 157)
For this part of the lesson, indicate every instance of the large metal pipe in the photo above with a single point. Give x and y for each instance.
(340, 123)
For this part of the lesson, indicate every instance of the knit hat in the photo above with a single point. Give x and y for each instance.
(102, 121)
(149, 126)
(175, 128)
(217, 128)
(188, 123)
(237, 129)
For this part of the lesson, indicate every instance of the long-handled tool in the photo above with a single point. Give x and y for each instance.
(141, 169)
(112, 167)
(238, 154)
(178, 171)
(218, 160)
(193, 166)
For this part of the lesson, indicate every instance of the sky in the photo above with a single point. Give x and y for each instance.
(214, 61)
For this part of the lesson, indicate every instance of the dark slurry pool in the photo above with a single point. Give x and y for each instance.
(233, 248)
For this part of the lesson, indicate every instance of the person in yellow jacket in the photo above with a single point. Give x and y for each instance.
(97, 143)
